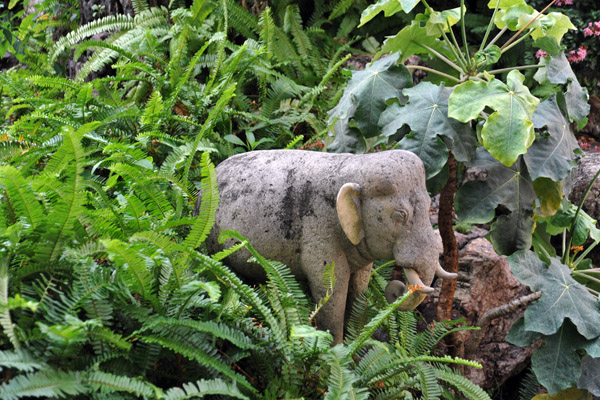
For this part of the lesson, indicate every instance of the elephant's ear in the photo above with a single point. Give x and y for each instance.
(348, 211)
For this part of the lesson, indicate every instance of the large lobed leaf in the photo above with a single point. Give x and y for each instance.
(364, 100)
(558, 71)
(476, 201)
(508, 132)
(562, 296)
(557, 364)
(413, 39)
(389, 7)
(551, 156)
(426, 113)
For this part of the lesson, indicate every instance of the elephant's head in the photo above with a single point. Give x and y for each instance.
(387, 217)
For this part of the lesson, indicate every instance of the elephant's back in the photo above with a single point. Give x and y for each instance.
(271, 197)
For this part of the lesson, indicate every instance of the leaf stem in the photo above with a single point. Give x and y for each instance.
(584, 254)
(565, 257)
(434, 71)
(460, 57)
(442, 57)
(526, 25)
(586, 276)
(502, 70)
(489, 28)
(498, 36)
(463, 29)
(505, 49)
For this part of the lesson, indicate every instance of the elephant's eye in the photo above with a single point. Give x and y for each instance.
(399, 216)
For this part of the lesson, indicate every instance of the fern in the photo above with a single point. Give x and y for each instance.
(341, 377)
(110, 383)
(208, 208)
(465, 386)
(201, 388)
(49, 384)
(191, 352)
(21, 360)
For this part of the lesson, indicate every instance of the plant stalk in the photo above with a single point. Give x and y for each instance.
(450, 255)
(463, 29)
(434, 71)
(566, 249)
(489, 28)
(527, 25)
(460, 57)
(502, 70)
(498, 36)
(443, 58)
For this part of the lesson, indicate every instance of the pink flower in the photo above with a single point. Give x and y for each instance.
(578, 55)
(564, 2)
(540, 53)
(593, 28)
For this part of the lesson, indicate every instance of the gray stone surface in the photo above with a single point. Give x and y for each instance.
(312, 209)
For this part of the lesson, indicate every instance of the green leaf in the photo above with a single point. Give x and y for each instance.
(426, 113)
(508, 132)
(550, 193)
(410, 40)
(551, 156)
(584, 227)
(512, 232)
(590, 375)
(48, 384)
(487, 57)
(558, 71)
(548, 44)
(438, 22)
(562, 296)
(389, 7)
(365, 97)
(521, 337)
(554, 24)
(556, 363)
(476, 201)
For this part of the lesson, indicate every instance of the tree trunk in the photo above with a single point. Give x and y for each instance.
(450, 255)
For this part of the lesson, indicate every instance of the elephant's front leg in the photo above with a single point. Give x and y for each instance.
(359, 282)
(331, 315)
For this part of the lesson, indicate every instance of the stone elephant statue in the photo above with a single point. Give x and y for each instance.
(311, 209)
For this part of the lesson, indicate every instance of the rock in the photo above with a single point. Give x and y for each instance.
(485, 282)
(585, 172)
(593, 126)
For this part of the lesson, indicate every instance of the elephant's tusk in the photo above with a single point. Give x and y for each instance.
(439, 271)
(415, 280)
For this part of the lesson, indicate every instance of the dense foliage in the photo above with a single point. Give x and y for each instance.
(106, 288)
(512, 123)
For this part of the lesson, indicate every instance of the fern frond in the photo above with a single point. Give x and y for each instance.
(105, 24)
(341, 378)
(245, 292)
(19, 194)
(179, 345)
(428, 382)
(340, 8)
(110, 383)
(242, 20)
(370, 328)
(203, 387)
(47, 384)
(52, 82)
(213, 328)
(133, 266)
(228, 93)
(208, 208)
(154, 199)
(293, 24)
(462, 384)
(20, 360)
(5, 319)
(139, 6)
(65, 212)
